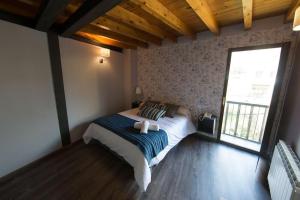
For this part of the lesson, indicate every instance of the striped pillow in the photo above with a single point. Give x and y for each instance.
(163, 107)
(153, 104)
(151, 113)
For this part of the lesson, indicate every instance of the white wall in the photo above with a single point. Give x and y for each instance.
(130, 78)
(92, 89)
(28, 119)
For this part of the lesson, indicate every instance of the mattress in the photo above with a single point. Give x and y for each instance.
(176, 128)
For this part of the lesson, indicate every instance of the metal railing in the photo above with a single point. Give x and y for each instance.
(245, 120)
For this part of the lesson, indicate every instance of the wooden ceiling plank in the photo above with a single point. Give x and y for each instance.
(102, 40)
(202, 9)
(110, 24)
(247, 12)
(18, 8)
(88, 12)
(159, 11)
(290, 14)
(131, 19)
(113, 35)
(49, 13)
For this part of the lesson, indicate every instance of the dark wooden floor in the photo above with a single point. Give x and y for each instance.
(195, 169)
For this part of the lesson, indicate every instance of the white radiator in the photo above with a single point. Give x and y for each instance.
(284, 174)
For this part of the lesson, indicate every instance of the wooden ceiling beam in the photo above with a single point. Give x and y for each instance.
(160, 12)
(247, 12)
(88, 12)
(110, 24)
(49, 13)
(203, 11)
(291, 12)
(113, 35)
(81, 38)
(16, 19)
(100, 41)
(131, 19)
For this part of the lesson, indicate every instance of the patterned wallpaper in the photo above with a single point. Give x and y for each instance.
(191, 73)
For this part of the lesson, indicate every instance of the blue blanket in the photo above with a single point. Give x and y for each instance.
(150, 144)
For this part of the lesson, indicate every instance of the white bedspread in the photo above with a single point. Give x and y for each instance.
(176, 128)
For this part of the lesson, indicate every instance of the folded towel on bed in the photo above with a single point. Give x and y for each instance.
(152, 127)
(144, 127)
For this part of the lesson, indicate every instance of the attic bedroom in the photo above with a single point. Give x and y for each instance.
(150, 99)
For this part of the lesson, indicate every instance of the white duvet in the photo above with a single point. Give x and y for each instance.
(176, 128)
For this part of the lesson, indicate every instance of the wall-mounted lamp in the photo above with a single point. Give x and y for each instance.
(296, 24)
(138, 92)
(104, 53)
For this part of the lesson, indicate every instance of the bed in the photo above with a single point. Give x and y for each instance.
(176, 129)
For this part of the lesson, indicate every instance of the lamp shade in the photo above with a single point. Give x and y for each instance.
(296, 24)
(104, 52)
(138, 90)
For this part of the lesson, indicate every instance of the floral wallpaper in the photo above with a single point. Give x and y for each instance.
(192, 73)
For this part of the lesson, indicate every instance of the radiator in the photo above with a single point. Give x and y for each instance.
(284, 174)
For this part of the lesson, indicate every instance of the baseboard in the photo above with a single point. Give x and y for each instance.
(21, 170)
(206, 137)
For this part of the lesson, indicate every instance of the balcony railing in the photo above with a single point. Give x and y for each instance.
(245, 120)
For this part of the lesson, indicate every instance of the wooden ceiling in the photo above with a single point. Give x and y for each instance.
(119, 24)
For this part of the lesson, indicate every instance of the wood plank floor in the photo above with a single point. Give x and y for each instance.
(195, 169)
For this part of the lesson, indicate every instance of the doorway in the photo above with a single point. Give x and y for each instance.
(253, 79)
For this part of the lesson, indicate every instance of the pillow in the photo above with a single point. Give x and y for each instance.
(163, 107)
(171, 110)
(151, 113)
(184, 111)
(148, 103)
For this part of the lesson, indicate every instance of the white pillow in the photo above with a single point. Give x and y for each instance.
(184, 111)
